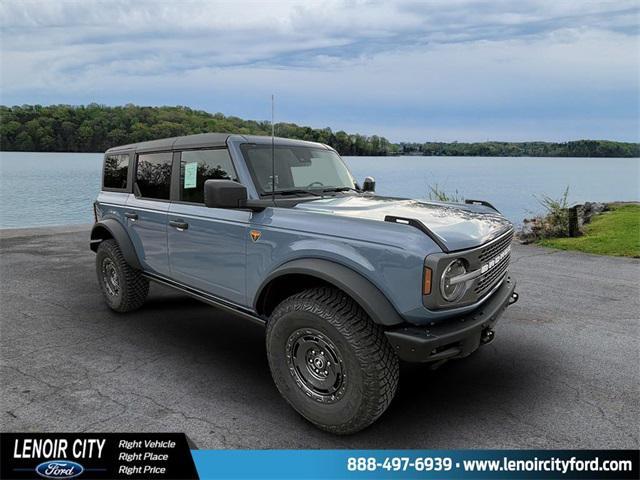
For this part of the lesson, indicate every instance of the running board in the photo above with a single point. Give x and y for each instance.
(206, 298)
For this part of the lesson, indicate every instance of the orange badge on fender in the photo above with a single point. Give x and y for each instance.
(255, 235)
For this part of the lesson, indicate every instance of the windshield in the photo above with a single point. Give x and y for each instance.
(296, 168)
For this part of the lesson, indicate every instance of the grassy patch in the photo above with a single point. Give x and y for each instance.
(436, 194)
(616, 232)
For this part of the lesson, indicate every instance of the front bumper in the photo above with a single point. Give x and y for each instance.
(456, 337)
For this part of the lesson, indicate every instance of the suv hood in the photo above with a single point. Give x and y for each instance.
(457, 226)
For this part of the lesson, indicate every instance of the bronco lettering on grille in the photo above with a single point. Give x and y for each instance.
(496, 260)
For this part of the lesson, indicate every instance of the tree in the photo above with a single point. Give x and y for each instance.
(95, 128)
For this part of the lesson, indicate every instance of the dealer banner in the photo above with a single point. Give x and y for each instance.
(174, 456)
(96, 455)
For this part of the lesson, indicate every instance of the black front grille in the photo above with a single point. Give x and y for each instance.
(493, 276)
(495, 248)
(494, 256)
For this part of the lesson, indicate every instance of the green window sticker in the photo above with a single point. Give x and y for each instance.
(190, 175)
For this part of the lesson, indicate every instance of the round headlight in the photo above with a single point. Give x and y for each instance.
(452, 292)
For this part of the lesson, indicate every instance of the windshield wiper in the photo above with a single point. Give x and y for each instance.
(296, 191)
(341, 189)
(315, 193)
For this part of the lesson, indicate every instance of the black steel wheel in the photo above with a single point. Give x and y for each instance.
(330, 361)
(316, 365)
(110, 277)
(124, 288)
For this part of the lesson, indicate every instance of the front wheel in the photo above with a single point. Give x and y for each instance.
(330, 361)
(124, 288)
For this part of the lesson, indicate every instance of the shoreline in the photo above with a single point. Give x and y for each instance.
(44, 230)
(390, 155)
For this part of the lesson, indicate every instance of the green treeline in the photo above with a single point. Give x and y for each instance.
(95, 128)
(578, 148)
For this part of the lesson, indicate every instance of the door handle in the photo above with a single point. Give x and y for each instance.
(131, 216)
(179, 225)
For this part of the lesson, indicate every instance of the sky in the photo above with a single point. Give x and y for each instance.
(410, 70)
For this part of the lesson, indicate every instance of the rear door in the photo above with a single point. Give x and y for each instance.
(146, 212)
(207, 246)
(116, 185)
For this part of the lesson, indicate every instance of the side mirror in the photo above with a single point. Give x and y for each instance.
(224, 194)
(369, 184)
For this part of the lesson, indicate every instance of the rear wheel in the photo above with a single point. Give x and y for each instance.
(330, 361)
(124, 288)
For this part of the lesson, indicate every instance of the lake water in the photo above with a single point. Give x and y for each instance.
(38, 189)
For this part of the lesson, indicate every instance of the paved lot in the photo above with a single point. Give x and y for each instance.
(562, 373)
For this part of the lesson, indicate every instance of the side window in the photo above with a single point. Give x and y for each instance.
(153, 175)
(197, 166)
(116, 168)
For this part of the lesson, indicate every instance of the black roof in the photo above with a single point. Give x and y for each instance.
(204, 140)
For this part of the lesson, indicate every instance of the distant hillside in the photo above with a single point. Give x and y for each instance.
(577, 148)
(95, 128)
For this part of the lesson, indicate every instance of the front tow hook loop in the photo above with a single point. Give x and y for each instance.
(514, 298)
(487, 336)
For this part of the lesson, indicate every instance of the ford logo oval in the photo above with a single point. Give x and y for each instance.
(59, 469)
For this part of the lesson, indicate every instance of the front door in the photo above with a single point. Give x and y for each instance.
(207, 246)
(146, 211)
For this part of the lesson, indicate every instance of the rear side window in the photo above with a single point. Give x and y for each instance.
(198, 166)
(153, 175)
(116, 169)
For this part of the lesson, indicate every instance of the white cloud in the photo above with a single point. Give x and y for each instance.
(336, 62)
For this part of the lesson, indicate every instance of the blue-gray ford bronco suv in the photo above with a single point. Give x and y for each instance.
(277, 231)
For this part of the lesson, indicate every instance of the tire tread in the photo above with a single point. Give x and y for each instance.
(380, 365)
(135, 287)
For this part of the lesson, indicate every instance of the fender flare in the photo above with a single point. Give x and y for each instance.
(361, 290)
(120, 235)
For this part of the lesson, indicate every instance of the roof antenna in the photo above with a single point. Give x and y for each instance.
(273, 153)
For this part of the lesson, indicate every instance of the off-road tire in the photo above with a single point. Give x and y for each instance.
(133, 288)
(371, 368)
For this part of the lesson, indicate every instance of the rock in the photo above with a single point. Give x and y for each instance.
(588, 210)
(531, 230)
(539, 227)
